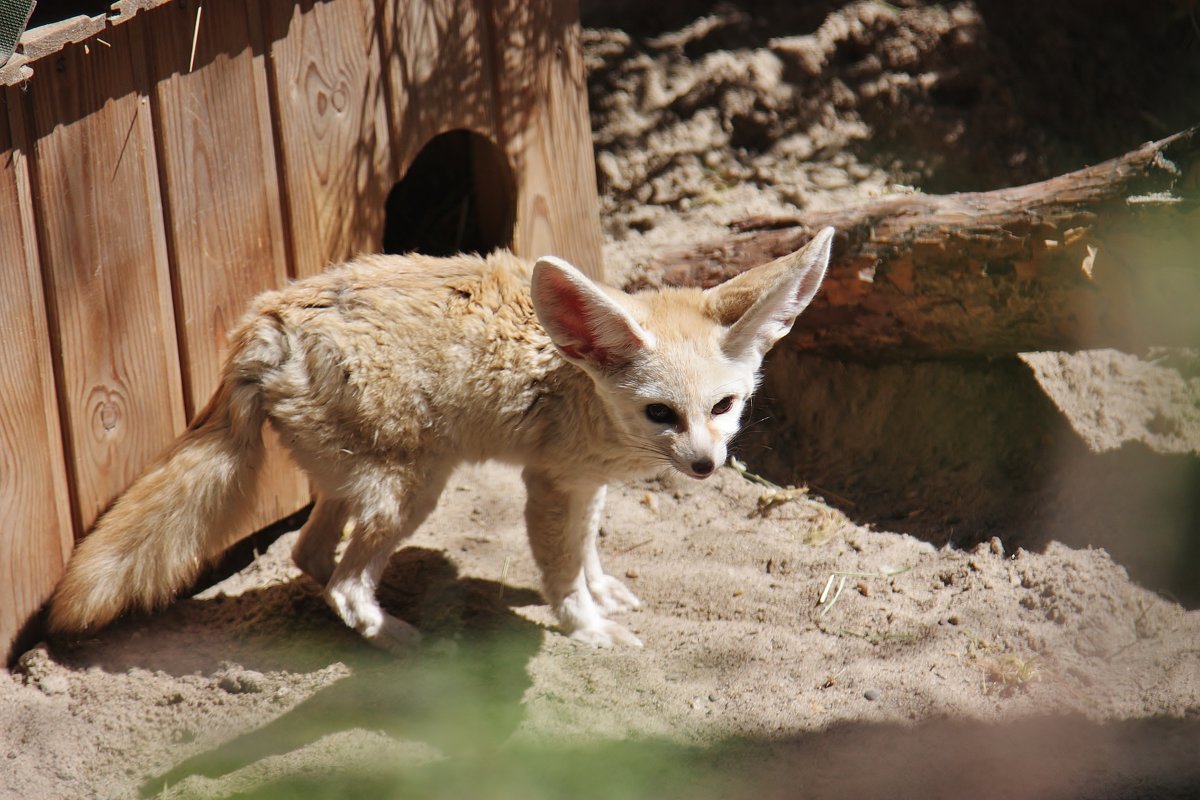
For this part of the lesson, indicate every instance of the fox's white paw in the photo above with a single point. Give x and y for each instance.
(612, 596)
(606, 633)
(580, 617)
(355, 603)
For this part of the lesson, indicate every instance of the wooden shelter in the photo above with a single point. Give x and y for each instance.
(163, 163)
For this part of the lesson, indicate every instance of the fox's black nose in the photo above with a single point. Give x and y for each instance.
(703, 467)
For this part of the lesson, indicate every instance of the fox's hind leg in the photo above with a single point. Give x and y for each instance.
(319, 538)
(387, 509)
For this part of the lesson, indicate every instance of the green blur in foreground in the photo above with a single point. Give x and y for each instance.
(462, 703)
(621, 770)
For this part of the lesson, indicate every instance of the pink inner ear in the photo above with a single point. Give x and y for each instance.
(571, 317)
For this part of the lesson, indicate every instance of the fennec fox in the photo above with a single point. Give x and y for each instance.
(383, 374)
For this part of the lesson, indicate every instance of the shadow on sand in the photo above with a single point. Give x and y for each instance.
(958, 452)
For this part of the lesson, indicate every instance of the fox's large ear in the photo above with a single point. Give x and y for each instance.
(582, 320)
(761, 305)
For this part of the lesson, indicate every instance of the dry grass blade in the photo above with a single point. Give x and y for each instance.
(195, 38)
(841, 577)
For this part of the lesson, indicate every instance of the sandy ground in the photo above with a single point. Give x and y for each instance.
(931, 614)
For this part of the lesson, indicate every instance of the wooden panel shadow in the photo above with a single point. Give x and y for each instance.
(437, 60)
(332, 127)
(542, 102)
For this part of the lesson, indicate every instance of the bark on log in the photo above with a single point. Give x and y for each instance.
(1108, 256)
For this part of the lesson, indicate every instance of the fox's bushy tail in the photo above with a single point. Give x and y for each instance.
(180, 514)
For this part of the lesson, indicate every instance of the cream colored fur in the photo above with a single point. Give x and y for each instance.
(382, 375)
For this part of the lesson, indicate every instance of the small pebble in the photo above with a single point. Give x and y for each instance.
(183, 736)
(241, 681)
(34, 664)
(631, 573)
(872, 694)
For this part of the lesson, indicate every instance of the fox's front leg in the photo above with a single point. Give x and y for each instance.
(562, 522)
(609, 593)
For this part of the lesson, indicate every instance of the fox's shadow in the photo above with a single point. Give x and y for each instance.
(469, 674)
(288, 626)
(456, 699)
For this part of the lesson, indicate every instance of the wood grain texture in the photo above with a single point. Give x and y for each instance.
(105, 262)
(34, 504)
(332, 128)
(224, 220)
(542, 112)
(217, 158)
(436, 59)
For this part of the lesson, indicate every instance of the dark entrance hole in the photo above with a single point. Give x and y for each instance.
(457, 197)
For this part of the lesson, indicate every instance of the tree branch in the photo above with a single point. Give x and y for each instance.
(1108, 256)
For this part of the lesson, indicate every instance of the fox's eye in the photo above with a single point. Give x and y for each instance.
(723, 405)
(662, 414)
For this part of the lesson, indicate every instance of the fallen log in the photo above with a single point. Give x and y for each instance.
(1108, 256)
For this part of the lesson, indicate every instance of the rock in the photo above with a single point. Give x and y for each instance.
(53, 684)
(34, 664)
(242, 681)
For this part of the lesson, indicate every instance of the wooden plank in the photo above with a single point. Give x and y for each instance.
(437, 61)
(34, 504)
(332, 128)
(224, 221)
(541, 88)
(105, 262)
